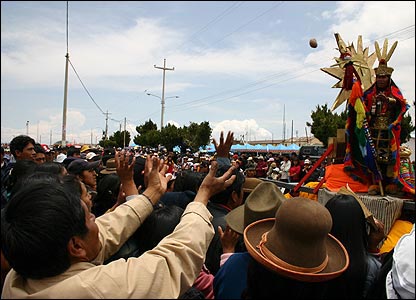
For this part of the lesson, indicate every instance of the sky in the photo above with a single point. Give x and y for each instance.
(243, 66)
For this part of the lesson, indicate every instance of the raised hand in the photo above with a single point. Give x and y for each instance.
(212, 185)
(223, 148)
(229, 239)
(155, 178)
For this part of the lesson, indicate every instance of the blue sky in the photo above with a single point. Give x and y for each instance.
(243, 66)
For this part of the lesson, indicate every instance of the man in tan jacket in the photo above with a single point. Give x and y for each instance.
(56, 247)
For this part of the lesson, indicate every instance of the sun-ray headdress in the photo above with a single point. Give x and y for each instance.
(351, 63)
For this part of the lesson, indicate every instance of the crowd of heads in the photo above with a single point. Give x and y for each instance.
(297, 247)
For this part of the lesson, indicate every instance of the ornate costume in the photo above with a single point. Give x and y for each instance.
(374, 116)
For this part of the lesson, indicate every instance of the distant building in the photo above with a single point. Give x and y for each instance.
(300, 141)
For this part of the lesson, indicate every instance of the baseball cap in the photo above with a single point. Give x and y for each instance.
(79, 165)
(90, 155)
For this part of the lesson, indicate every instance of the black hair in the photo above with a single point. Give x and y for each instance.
(50, 167)
(138, 175)
(160, 223)
(107, 191)
(187, 180)
(37, 224)
(72, 183)
(72, 150)
(236, 186)
(39, 149)
(19, 143)
(21, 169)
(349, 227)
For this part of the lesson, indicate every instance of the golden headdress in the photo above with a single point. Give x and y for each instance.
(383, 58)
(351, 63)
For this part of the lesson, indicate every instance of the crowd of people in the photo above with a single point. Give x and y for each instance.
(153, 224)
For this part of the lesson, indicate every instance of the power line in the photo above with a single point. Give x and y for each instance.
(215, 20)
(76, 73)
(249, 22)
(194, 103)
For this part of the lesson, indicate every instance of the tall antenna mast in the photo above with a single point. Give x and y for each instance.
(63, 144)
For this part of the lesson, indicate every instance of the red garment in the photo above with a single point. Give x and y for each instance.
(261, 168)
(205, 283)
(294, 173)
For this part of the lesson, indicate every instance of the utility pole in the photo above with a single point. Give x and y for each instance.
(27, 127)
(106, 124)
(63, 144)
(124, 139)
(163, 90)
(291, 141)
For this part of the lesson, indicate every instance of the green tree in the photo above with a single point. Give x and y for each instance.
(194, 136)
(197, 135)
(148, 135)
(170, 136)
(325, 123)
(107, 143)
(118, 137)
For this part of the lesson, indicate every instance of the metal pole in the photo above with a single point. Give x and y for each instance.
(63, 144)
(106, 125)
(124, 139)
(163, 90)
(27, 127)
(163, 95)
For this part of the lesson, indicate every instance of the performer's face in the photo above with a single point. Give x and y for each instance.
(383, 81)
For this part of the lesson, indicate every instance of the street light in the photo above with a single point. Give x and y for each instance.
(163, 106)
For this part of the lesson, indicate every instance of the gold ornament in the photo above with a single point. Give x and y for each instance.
(361, 61)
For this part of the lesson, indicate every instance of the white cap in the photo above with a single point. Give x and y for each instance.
(90, 155)
(307, 161)
(270, 159)
(400, 281)
(60, 157)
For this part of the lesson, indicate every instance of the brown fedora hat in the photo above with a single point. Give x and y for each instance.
(250, 184)
(262, 203)
(110, 167)
(296, 243)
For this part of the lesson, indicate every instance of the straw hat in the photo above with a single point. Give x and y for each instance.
(296, 243)
(262, 203)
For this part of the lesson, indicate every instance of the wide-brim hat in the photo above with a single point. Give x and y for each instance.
(250, 184)
(110, 167)
(297, 243)
(262, 203)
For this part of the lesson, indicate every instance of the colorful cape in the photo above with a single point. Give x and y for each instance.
(360, 159)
